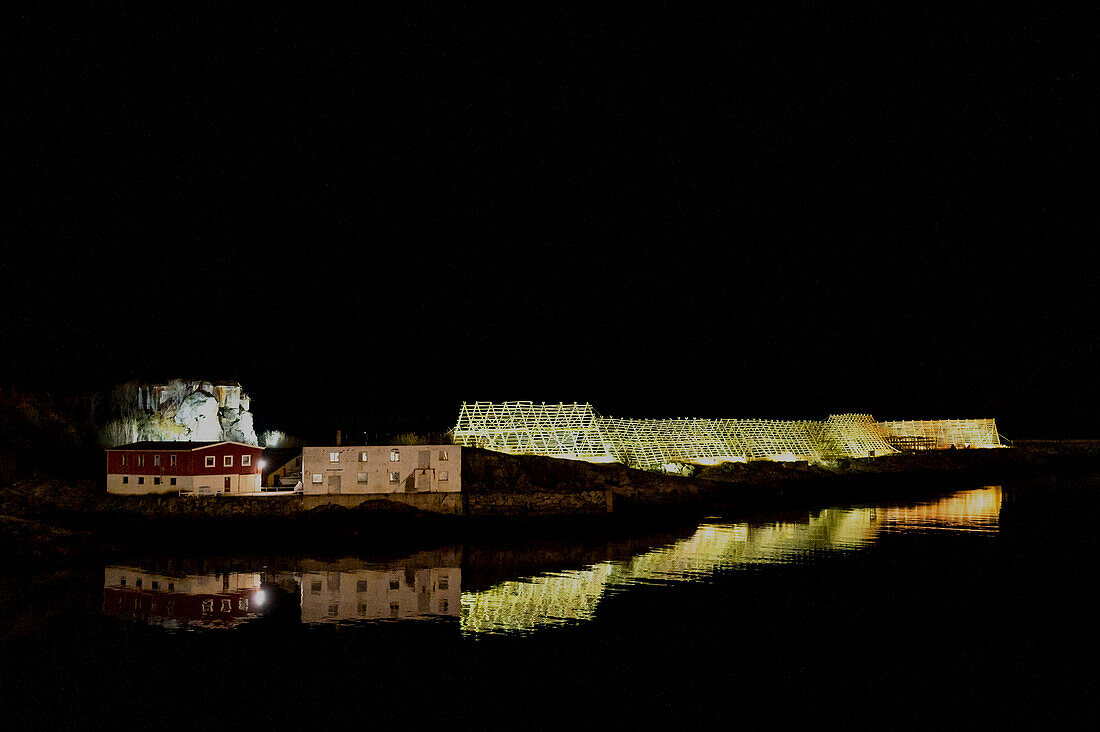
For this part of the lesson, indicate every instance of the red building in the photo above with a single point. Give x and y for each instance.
(188, 468)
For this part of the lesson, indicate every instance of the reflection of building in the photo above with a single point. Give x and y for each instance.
(377, 469)
(200, 468)
(375, 594)
(215, 601)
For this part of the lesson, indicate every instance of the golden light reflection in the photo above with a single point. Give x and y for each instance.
(526, 605)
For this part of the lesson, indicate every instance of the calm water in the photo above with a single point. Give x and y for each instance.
(970, 607)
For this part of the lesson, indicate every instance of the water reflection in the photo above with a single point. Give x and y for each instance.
(201, 601)
(551, 599)
(537, 586)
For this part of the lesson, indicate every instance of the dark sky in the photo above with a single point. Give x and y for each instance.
(712, 212)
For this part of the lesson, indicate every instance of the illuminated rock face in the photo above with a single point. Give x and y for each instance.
(198, 414)
(198, 411)
(577, 432)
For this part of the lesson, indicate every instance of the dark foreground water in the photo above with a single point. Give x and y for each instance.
(971, 608)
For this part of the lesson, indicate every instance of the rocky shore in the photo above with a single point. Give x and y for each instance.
(54, 516)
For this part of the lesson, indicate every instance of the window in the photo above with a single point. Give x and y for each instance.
(242, 604)
(141, 461)
(394, 609)
(316, 477)
(171, 586)
(443, 475)
(361, 478)
(208, 606)
(122, 581)
(395, 455)
(362, 457)
(227, 606)
(443, 584)
(395, 477)
(334, 610)
(395, 584)
(171, 481)
(138, 583)
(172, 461)
(156, 460)
(124, 460)
(125, 479)
(156, 481)
(209, 461)
(315, 587)
(443, 606)
(246, 461)
(141, 480)
(443, 455)
(334, 457)
(227, 461)
(156, 585)
(361, 586)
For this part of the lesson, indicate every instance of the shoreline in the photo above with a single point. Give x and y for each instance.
(511, 496)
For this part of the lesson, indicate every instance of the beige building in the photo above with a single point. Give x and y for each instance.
(374, 469)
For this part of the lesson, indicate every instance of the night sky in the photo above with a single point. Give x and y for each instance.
(713, 212)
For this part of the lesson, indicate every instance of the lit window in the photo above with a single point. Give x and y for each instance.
(334, 457)
(395, 477)
(125, 479)
(172, 461)
(141, 461)
(443, 455)
(227, 606)
(246, 461)
(156, 460)
(443, 475)
(362, 457)
(395, 455)
(361, 478)
(209, 461)
(242, 604)
(316, 477)
(208, 606)
(227, 461)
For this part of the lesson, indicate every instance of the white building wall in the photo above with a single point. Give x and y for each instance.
(366, 469)
(198, 485)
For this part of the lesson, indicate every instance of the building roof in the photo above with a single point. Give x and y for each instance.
(169, 445)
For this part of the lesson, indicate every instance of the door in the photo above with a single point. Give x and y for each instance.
(228, 483)
(334, 484)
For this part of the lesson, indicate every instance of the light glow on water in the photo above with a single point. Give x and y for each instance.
(528, 604)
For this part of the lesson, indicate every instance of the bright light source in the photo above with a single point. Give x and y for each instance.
(262, 464)
(259, 598)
